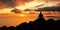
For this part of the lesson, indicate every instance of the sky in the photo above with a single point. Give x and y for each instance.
(26, 4)
(12, 11)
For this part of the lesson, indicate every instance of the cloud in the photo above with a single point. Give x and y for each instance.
(16, 11)
(58, 4)
(49, 0)
(21, 2)
(13, 3)
(52, 0)
(2, 5)
(9, 3)
(57, 8)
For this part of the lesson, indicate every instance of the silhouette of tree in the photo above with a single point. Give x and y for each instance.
(23, 26)
(3, 28)
(50, 24)
(11, 28)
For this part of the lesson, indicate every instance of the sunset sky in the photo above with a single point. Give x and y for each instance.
(8, 5)
(9, 18)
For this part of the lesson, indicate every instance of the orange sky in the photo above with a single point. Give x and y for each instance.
(9, 18)
(13, 19)
(29, 4)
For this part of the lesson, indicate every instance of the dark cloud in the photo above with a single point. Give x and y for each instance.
(26, 0)
(2, 5)
(21, 2)
(49, 0)
(57, 8)
(9, 3)
(16, 11)
(52, 0)
(58, 4)
(13, 3)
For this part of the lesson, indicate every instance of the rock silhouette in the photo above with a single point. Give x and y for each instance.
(39, 24)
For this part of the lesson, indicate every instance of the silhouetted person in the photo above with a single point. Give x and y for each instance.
(40, 22)
(40, 17)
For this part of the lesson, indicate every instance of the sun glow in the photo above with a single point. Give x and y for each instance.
(21, 8)
(26, 12)
(6, 10)
(29, 5)
(22, 15)
(32, 5)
